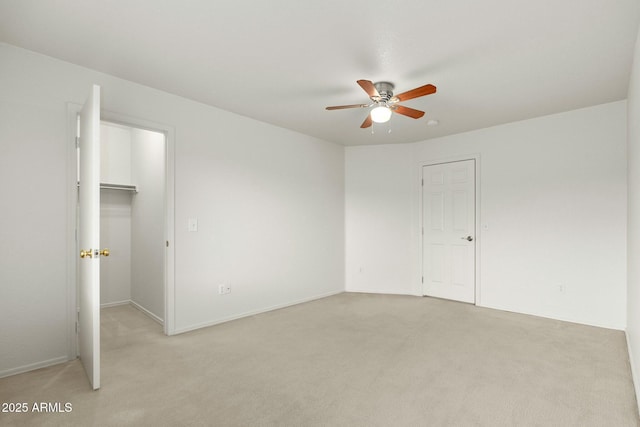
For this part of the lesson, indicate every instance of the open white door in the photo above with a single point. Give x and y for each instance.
(89, 237)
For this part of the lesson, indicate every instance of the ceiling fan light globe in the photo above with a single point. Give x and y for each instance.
(381, 114)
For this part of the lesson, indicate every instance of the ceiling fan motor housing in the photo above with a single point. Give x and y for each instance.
(385, 89)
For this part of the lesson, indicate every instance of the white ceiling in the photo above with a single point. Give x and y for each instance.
(283, 61)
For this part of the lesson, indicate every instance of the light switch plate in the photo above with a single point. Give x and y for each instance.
(193, 224)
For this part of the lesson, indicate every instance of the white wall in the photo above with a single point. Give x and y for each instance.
(147, 221)
(270, 210)
(270, 204)
(553, 197)
(379, 219)
(33, 190)
(633, 224)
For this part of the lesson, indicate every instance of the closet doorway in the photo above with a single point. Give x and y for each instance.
(132, 218)
(136, 184)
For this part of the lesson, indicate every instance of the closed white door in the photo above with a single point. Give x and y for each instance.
(89, 237)
(448, 227)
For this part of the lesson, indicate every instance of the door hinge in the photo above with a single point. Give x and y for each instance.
(167, 243)
(422, 279)
(77, 142)
(423, 182)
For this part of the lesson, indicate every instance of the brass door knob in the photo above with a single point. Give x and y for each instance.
(105, 252)
(86, 253)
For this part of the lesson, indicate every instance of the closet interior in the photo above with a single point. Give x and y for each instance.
(132, 220)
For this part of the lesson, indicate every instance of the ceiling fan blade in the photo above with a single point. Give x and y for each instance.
(342, 107)
(367, 122)
(368, 87)
(409, 112)
(414, 93)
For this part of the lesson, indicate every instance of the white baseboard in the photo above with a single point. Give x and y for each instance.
(115, 304)
(616, 327)
(634, 371)
(254, 312)
(381, 292)
(33, 366)
(136, 306)
(147, 312)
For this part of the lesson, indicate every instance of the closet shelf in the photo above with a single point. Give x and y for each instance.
(125, 187)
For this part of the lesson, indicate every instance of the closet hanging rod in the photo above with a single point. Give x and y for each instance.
(125, 187)
(118, 187)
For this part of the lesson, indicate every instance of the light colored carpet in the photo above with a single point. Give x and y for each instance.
(346, 360)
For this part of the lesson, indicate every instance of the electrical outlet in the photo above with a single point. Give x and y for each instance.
(224, 289)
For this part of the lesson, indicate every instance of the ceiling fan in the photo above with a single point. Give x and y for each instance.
(385, 102)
